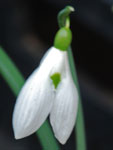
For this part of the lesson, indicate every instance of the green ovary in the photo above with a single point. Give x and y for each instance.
(63, 39)
(56, 78)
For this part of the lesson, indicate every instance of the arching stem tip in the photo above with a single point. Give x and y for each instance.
(70, 8)
(63, 15)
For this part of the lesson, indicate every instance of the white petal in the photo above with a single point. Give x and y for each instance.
(32, 109)
(64, 110)
(53, 60)
(36, 98)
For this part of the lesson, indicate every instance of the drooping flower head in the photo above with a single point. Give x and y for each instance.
(48, 91)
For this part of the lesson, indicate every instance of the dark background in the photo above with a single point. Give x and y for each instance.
(27, 29)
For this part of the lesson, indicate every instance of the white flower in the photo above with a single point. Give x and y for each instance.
(39, 98)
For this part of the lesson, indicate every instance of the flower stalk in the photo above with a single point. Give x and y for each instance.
(63, 16)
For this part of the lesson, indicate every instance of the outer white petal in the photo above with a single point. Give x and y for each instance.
(64, 110)
(36, 98)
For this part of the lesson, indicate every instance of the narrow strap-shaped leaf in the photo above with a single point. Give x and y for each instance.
(80, 129)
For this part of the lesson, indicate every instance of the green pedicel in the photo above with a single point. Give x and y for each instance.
(56, 78)
(63, 39)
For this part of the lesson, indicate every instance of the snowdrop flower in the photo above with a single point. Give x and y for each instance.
(48, 91)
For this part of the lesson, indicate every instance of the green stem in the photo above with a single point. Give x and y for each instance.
(15, 80)
(80, 129)
(63, 16)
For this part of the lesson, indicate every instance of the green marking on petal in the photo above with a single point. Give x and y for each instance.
(56, 78)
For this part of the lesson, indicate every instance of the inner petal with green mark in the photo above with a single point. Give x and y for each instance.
(56, 78)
